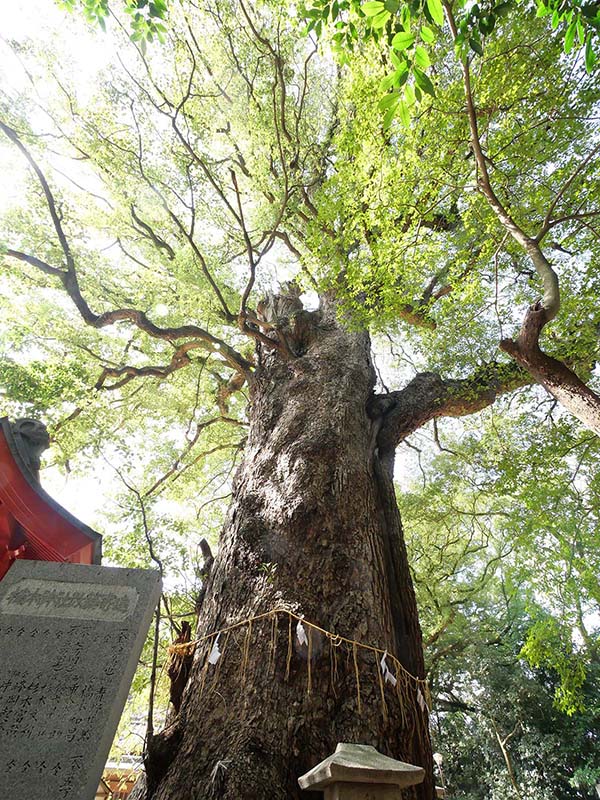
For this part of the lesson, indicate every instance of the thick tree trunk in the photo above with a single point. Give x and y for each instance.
(313, 527)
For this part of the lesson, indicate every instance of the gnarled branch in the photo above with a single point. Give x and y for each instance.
(555, 376)
(70, 281)
(400, 413)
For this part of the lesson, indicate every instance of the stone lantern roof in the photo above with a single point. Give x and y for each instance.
(354, 764)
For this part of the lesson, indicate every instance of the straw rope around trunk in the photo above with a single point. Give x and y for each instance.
(414, 699)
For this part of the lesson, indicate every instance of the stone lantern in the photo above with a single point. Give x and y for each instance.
(360, 772)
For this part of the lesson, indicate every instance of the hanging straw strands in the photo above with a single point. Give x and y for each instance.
(410, 695)
(406, 684)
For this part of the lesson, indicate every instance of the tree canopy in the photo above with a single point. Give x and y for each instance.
(163, 198)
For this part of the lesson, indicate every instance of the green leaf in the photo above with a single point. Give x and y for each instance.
(542, 10)
(388, 101)
(570, 37)
(487, 23)
(580, 32)
(372, 8)
(396, 60)
(502, 9)
(387, 82)
(436, 10)
(427, 35)
(421, 57)
(402, 77)
(380, 20)
(475, 46)
(404, 114)
(555, 19)
(590, 56)
(403, 40)
(423, 82)
(389, 117)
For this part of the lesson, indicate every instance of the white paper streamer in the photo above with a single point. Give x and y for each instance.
(301, 633)
(421, 700)
(215, 653)
(388, 676)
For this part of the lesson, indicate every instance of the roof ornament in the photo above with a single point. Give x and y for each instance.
(31, 438)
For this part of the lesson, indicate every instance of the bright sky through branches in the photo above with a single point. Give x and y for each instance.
(42, 22)
(41, 25)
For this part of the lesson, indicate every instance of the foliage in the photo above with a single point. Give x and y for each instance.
(546, 645)
(506, 577)
(178, 156)
(146, 16)
(495, 724)
(519, 499)
(410, 199)
(412, 33)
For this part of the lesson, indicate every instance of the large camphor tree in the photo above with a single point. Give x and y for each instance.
(233, 223)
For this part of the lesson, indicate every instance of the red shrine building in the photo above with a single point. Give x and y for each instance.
(32, 524)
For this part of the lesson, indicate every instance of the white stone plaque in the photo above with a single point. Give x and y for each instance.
(70, 639)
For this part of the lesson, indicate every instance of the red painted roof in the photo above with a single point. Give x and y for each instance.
(32, 524)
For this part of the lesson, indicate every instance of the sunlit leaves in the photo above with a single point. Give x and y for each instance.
(146, 16)
(377, 13)
(403, 40)
(390, 21)
(570, 36)
(372, 8)
(422, 59)
(549, 646)
(580, 23)
(436, 11)
(400, 24)
(427, 35)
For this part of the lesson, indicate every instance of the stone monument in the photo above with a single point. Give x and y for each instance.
(360, 772)
(70, 639)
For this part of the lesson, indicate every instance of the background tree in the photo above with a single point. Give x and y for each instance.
(509, 622)
(495, 722)
(235, 157)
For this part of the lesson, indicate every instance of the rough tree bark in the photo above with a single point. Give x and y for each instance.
(555, 376)
(314, 527)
